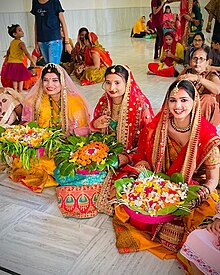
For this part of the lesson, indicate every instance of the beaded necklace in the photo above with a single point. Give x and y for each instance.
(57, 122)
(180, 130)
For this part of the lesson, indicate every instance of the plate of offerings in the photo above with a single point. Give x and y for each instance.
(154, 198)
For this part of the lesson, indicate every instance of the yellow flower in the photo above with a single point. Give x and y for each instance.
(81, 144)
(103, 161)
(73, 160)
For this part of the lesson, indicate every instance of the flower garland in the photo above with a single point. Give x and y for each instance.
(94, 152)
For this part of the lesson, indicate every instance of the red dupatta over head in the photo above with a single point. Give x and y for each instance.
(169, 60)
(97, 49)
(135, 111)
(154, 138)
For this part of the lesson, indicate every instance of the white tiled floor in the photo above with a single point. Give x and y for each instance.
(34, 237)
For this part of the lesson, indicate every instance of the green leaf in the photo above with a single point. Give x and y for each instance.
(167, 210)
(2, 130)
(113, 161)
(66, 169)
(163, 176)
(33, 124)
(145, 174)
(177, 177)
(120, 182)
(191, 195)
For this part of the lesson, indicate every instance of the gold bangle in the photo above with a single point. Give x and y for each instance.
(209, 24)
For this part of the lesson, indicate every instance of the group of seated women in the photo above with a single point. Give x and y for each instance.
(197, 61)
(177, 139)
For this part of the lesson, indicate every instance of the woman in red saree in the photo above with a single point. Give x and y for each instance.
(122, 109)
(96, 60)
(180, 140)
(172, 53)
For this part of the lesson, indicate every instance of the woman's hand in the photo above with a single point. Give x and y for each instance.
(214, 227)
(68, 48)
(102, 122)
(122, 160)
(190, 77)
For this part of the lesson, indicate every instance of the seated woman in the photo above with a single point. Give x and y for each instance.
(54, 101)
(168, 21)
(122, 109)
(201, 251)
(150, 26)
(180, 140)
(207, 84)
(11, 103)
(96, 59)
(139, 29)
(197, 43)
(78, 53)
(172, 53)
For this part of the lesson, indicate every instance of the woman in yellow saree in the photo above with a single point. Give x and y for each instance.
(54, 101)
(139, 29)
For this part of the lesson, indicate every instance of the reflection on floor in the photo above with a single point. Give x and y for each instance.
(35, 238)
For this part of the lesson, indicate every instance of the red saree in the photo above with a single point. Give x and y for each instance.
(185, 8)
(152, 148)
(135, 111)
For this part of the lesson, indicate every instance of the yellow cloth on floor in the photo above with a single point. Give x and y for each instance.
(39, 176)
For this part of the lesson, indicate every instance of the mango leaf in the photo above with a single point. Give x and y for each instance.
(61, 157)
(67, 169)
(33, 124)
(191, 195)
(177, 177)
(163, 176)
(181, 212)
(2, 130)
(167, 210)
(113, 161)
(120, 182)
(145, 174)
(139, 210)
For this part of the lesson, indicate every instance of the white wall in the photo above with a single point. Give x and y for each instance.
(100, 16)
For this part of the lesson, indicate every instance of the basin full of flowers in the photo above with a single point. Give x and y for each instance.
(156, 194)
(88, 154)
(27, 142)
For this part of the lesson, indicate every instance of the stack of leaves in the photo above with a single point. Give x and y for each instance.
(26, 142)
(156, 194)
(94, 152)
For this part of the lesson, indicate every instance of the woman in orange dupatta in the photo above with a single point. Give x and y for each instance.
(123, 109)
(180, 140)
(96, 60)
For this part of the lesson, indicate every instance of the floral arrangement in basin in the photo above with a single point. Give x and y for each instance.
(96, 152)
(28, 142)
(156, 194)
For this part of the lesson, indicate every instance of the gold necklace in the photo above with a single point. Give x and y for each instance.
(57, 123)
(116, 107)
(180, 130)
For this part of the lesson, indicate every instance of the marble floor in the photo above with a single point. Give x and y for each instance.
(34, 237)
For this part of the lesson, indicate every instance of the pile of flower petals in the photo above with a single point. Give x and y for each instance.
(152, 194)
